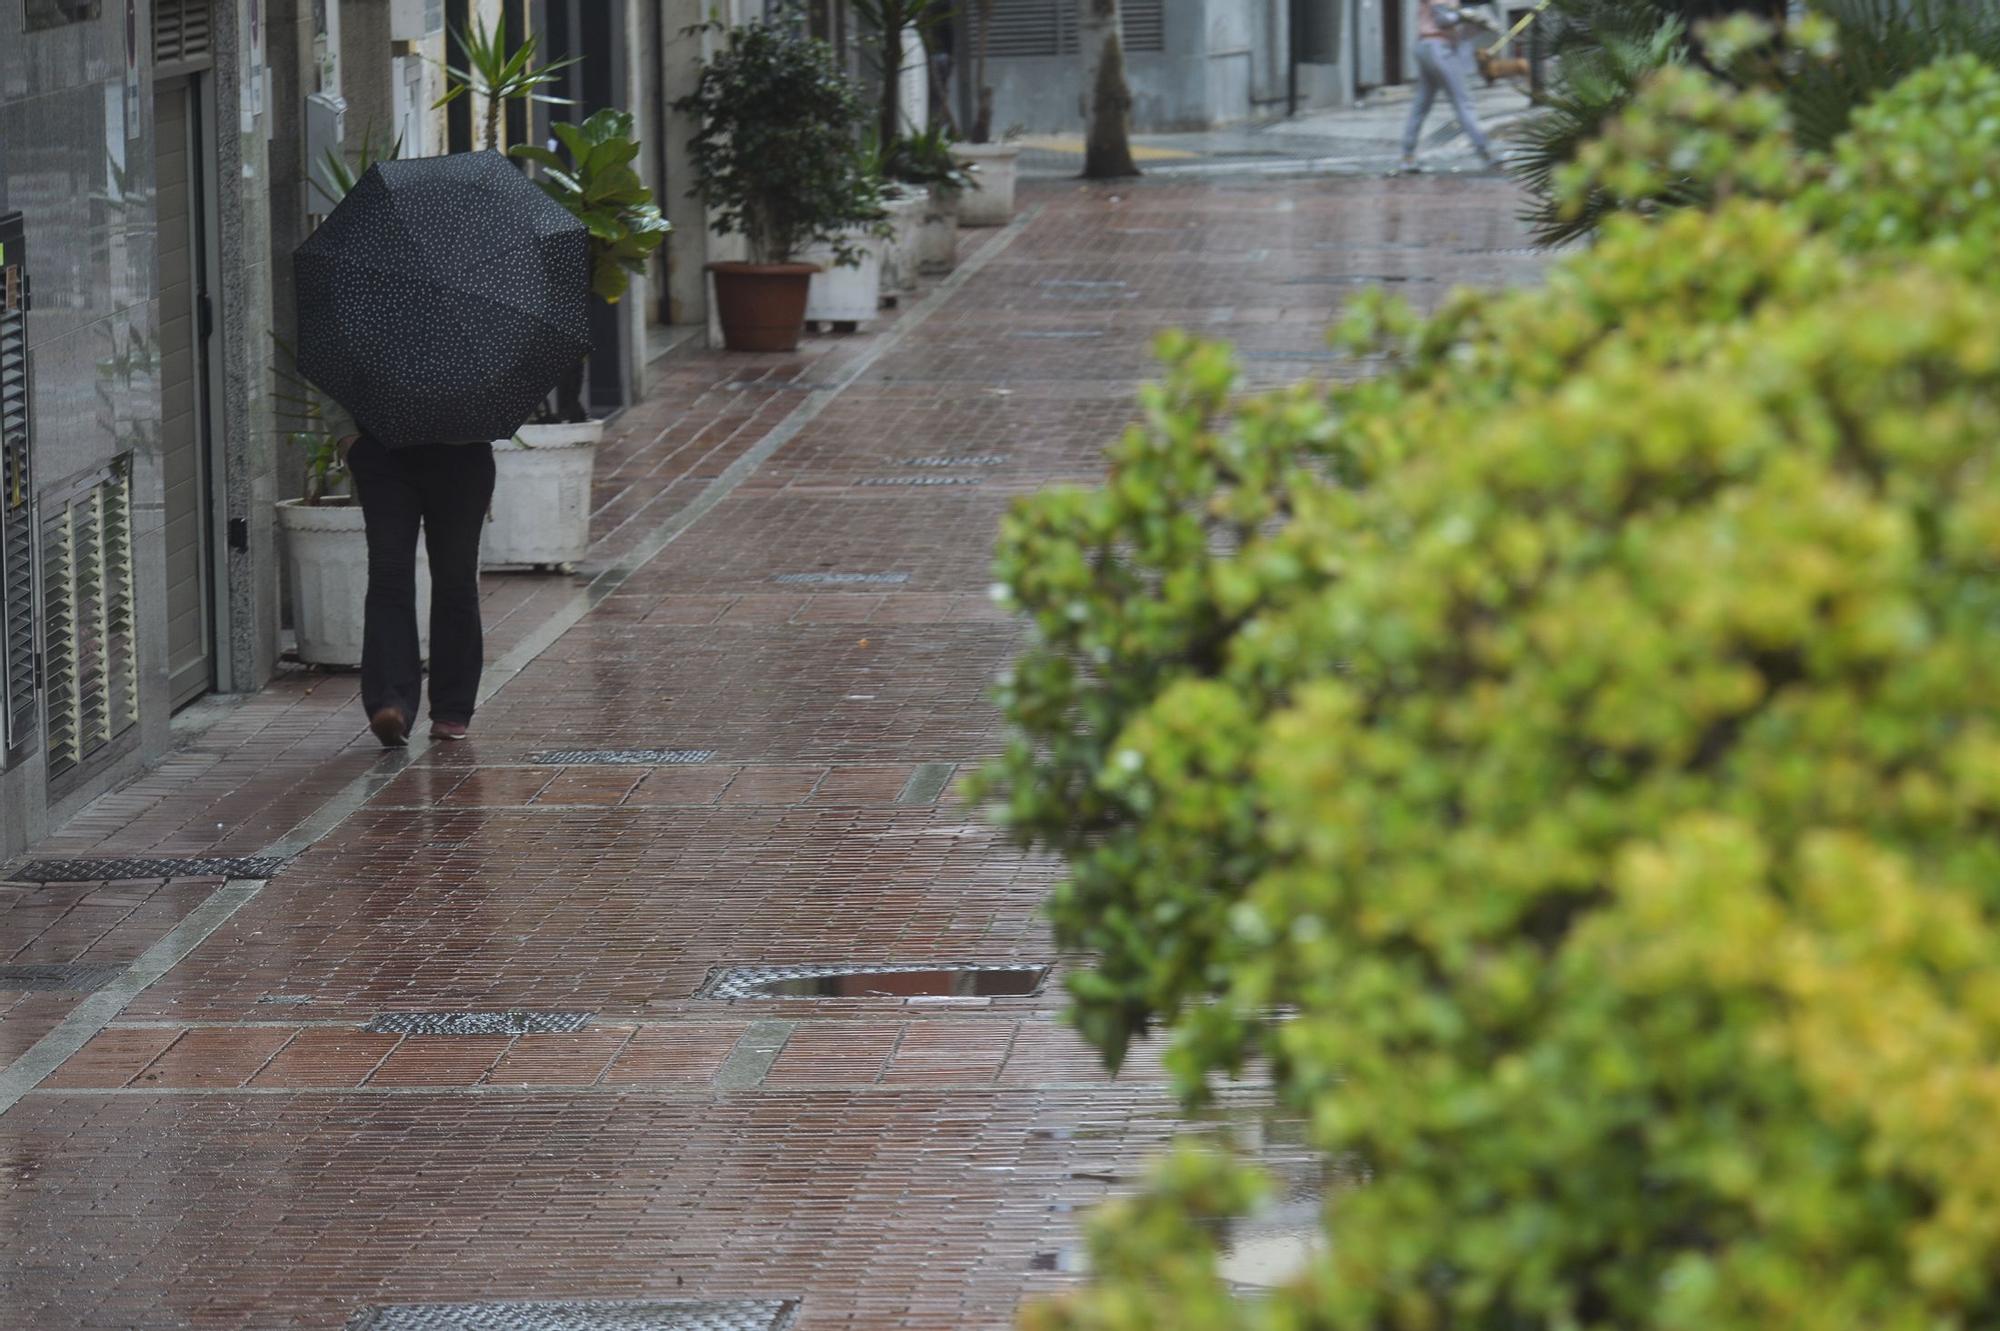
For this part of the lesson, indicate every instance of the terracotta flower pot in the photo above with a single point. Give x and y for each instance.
(762, 305)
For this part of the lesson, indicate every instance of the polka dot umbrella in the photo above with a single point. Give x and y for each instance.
(443, 299)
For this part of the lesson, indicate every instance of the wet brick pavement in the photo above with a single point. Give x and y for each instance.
(230, 1145)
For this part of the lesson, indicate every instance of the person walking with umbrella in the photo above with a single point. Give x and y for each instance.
(1442, 44)
(439, 304)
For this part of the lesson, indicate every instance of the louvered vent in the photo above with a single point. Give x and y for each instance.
(182, 30)
(1031, 28)
(89, 634)
(17, 497)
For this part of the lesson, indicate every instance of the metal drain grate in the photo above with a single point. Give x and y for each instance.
(68, 977)
(621, 757)
(1055, 335)
(839, 579)
(622, 1315)
(937, 980)
(108, 869)
(976, 460)
(1354, 279)
(479, 1023)
(920, 480)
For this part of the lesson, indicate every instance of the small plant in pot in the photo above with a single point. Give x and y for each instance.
(777, 161)
(541, 491)
(926, 160)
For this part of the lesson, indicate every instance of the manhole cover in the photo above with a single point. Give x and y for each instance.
(920, 480)
(479, 1023)
(68, 977)
(108, 869)
(976, 460)
(839, 579)
(836, 981)
(621, 757)
(665, 1315)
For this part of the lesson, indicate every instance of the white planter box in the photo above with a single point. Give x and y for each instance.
(899, 254)
(845, 295)
(327, 555)
(990, 201)
(541, 496)
(937, 233)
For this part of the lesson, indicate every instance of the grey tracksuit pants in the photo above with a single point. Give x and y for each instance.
(1441, 67)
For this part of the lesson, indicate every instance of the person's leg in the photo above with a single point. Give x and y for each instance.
(1420, 104)
(1451, 72)
(391, 670)
(458, 491)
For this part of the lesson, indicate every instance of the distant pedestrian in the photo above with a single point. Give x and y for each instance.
(1444, 42)
(446, 489)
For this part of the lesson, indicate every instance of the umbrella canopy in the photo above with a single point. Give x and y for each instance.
(443, 299)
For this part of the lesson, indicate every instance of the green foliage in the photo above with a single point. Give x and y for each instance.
(313, 423)
(1568, 762)
(500, 75)
(886, 21)
(925, 158)
(776, 157)
(594, 179)
(336, 171)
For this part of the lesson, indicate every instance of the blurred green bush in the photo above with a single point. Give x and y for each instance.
(1569, 761)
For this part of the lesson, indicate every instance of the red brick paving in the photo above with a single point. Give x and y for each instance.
(218, 1159)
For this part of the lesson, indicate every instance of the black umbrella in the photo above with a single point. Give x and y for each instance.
(443, 299)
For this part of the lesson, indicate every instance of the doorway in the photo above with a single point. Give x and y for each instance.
(186, 233)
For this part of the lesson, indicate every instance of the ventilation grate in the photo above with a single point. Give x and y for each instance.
(1040, 29)
(108, 869)
(620, 757)
(666, 1315)
(938, 980)
(183, 32)
(479, 1023)
(841, 579)
(18, 692)
(89, 638)
(69, 977)
(920, 480)
(973, 460)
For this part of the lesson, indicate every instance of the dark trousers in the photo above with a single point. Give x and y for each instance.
(446, 489)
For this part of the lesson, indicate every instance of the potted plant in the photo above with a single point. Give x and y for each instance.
(499, 75)
(926, 161)
(326, 539)
(542, 476)
(776, 160)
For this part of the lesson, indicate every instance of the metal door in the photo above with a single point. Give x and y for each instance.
(184, 424)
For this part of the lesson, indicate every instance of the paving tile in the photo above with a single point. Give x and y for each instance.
(773, 785)
(112, 1058)
(675, 1055)
(952, 1051)
(498, 787)
(213, 1058)
(440, 1060)
(574, 1059)
(326, 1057)
(835, 1052)
(578, 786)
(668, 786)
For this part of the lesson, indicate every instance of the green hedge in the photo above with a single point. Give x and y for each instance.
(1585, 735)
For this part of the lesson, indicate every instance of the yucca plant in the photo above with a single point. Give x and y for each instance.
(500, 75)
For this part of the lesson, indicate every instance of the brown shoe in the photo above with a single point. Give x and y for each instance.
(448, 730)
(390, 726)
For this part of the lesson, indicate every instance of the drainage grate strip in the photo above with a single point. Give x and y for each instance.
(975, 460)
(920, 480)
(619, 1315)
(927, 783)
(839, 579)
(1054, 335)
(105, 869)
(621, 757)
(937, 980)
(479, 1023)
(67, 977)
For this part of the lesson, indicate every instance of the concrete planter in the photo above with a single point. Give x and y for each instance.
(851, 295)
(990, 201)
(327, 556)
(937, 233)
(541, 496)
(899, 252)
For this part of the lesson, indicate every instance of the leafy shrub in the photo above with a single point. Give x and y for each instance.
(1584, 735)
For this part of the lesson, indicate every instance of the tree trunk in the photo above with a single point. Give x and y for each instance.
(890, 56)
(982, 96)
(1107, 101)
